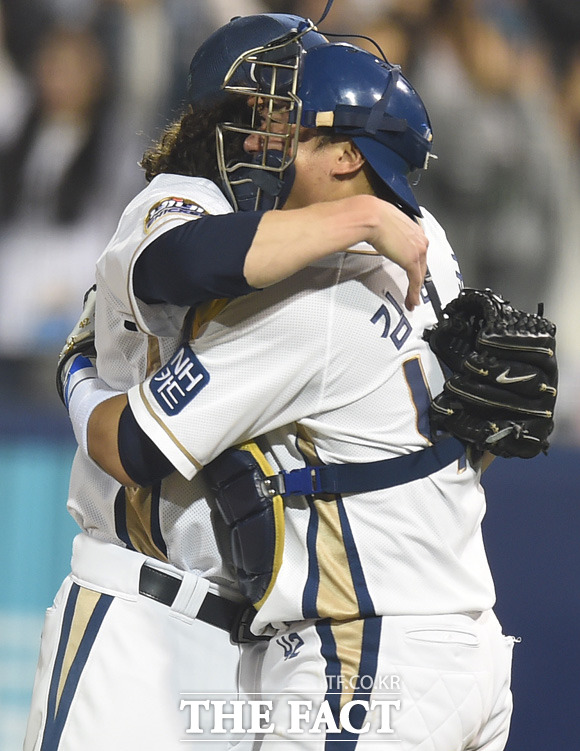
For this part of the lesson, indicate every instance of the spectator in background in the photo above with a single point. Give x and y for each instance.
(149, 44)
(506, 176)
(14, 91)
(563, 300)
(52, 227)
(489, 86)
(490, 131)
(345, 17)
(101, 80)
(504, 101)
(139, 38)
(25, 22)
(570, 96)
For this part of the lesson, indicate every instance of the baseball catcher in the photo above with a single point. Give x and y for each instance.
(501, 392)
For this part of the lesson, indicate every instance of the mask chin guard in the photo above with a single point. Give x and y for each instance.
(258, 188)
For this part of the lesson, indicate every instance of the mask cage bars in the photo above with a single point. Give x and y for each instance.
(275, 109)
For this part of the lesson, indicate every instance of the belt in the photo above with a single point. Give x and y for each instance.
(233, 617)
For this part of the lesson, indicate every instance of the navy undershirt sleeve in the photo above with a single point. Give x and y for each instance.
(140, 457)
(198, 261)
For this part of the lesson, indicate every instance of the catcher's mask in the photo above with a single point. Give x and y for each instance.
(260, 58)
(352, 92)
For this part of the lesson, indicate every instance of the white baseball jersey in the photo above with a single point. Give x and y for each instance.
(333, 353)
(170, 521)
(111, 657)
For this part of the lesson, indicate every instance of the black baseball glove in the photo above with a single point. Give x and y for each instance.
(501, 372)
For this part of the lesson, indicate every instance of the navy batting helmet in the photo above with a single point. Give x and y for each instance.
(356, 94)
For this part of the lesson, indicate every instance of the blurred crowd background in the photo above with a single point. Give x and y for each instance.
(85, 86)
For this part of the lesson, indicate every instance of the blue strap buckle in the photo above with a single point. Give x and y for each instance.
(365, 477)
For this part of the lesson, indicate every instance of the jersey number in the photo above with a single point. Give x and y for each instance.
(420, 394)
(421, 398)
(401, 331)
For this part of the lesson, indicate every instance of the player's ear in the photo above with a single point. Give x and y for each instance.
(348, 159)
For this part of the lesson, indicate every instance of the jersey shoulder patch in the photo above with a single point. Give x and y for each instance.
(177, 383)
(172, 205)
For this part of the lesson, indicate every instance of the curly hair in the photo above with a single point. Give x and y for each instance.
(188, 145)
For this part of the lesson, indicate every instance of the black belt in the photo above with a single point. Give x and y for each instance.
(233, 617)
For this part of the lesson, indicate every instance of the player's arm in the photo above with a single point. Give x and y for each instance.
(95, 412)
(287, 241)
(102, 438)
(105, 429)
(119, 446)
(233, 254)
(116, 442)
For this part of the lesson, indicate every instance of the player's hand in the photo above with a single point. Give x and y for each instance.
(404, 242)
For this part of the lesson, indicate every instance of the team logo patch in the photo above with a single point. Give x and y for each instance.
(173, 206)
(291, 645)
(178, 382)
